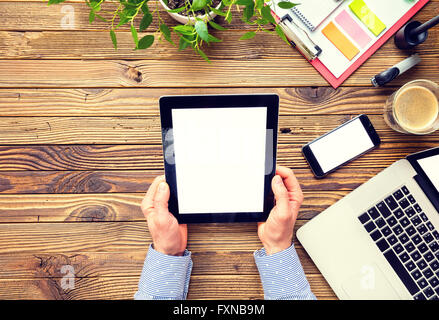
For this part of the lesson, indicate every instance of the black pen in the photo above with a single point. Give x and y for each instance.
(386, 76)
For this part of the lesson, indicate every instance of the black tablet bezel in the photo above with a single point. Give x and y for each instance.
(314, 164)
(167, 103)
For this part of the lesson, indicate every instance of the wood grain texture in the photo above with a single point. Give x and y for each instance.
(129, 181)
(220, 73)
(120, 236)
(144, 101)
(294, 129)
(128, 264)
(201, 287)
(109, 207)
(149, 157)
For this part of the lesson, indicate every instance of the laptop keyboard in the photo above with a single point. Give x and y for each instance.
(408, 240)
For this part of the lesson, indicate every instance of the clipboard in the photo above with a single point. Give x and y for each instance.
(335, 79)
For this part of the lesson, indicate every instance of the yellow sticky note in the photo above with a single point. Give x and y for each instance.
(370, 20)
(339, 40)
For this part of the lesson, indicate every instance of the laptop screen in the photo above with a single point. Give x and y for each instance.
(430, 166)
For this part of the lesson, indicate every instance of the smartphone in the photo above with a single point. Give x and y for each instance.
(341, 145)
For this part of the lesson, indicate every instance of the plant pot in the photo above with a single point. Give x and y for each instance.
(185, 19)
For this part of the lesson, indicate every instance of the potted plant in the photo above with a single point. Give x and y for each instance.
(195, 17)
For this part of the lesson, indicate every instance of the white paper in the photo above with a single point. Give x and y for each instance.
(431, 168)
(220, 159)
(341, 145)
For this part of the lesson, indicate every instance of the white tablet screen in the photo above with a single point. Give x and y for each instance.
(220, 159)
(430, 166)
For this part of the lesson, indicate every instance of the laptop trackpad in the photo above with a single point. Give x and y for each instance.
(369, 284)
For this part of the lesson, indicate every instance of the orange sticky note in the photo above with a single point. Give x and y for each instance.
(339, 40)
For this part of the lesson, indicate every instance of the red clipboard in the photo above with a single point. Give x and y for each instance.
(336, 82)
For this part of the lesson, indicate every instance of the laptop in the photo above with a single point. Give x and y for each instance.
(381, 241)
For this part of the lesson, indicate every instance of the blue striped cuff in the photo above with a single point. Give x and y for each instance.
(164, 276)
(282, 275)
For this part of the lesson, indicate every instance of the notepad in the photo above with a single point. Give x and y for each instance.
(352, 29)
(370, 20)
(314, 12)
(339, 40)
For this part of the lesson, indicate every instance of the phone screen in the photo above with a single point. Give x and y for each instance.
(341, 145)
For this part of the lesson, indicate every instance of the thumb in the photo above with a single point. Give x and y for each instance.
(281, 195)
(161, 198)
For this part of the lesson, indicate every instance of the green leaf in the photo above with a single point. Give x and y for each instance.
(286, 4)
(266, 14)
(113, 38)
(216, 26)
(249, 11)
(91, 17)
(245, 2)
(95, 5)
(134, 34)
(55, 1)
(101, 17)
(145, 8)
(198, 4)
(218, 12)
(259, 4)
(203, 55)
(281, 34)
(166, 32)
(145, 22)
(211, 38)
(178, 10)
(248, 35)
(184, 29)
(201, 28)
(184, 43)
(146, 42)
(228, 17)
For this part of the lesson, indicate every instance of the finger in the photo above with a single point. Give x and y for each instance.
(148, 200)
(281, 195)
(289, 179)
(161, 198)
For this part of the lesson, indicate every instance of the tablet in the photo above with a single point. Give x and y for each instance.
(220, 156)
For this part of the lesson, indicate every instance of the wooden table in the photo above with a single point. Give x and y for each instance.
(80, 144)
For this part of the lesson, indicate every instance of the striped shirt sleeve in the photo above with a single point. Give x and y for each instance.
(282, 275)
(164, 277)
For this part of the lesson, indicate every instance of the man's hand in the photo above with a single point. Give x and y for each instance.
(168, 236)
(276, 233)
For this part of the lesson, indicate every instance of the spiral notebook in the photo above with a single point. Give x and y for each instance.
(313, 12)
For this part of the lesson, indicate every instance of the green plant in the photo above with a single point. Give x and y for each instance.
(192, 34)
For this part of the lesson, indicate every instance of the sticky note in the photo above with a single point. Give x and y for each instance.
(352, 28)
(339, 40)
(370, 20)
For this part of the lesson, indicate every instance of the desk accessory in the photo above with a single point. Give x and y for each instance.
(333, 61)
(414, 33)
(388, 75)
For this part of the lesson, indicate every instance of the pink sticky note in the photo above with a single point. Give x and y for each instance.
(348, 24)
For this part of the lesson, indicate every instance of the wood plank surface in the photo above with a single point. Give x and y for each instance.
(175, 73)
(108, 207)
(80, 145)
(114, 102)
(147, 130)
(129, 181)
(146, 157)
